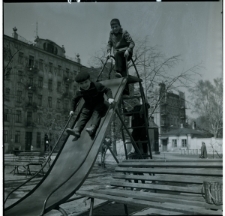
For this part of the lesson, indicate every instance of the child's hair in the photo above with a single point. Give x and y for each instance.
(115, 21)
(82, 76)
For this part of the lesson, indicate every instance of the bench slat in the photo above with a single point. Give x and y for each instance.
(186, 171)
(166, 178)
(155, 211)
(193, 189)
(149, 196)
(172, 164)
(173, 160)
(164, 205)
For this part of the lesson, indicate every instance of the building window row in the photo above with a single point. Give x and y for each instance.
(31, 63)
(18, 138)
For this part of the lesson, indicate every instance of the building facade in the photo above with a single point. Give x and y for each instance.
(38, 89)
(171, 113)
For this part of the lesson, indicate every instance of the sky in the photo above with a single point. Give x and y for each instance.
(190, 29)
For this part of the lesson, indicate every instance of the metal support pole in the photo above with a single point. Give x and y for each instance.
(113, 155)
(126, 209)
(91, 207)
(131, 138)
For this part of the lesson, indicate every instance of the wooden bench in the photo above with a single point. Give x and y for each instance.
(162, 187)
(25, 159)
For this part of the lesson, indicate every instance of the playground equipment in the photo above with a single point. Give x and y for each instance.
(73, 162)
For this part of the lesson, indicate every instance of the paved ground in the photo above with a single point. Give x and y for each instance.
(98, 177)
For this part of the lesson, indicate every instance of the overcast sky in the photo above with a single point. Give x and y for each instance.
(191, 29)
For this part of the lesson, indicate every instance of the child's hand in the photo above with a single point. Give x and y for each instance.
(110, 100)
(126, 54)
(71, 113)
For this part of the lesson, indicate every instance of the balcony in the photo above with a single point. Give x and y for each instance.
(33, 69)
(67, 94)
(164, 113)
(31, 88)
(164, 103)
(31, 105)
(30, 124)
(67, 80)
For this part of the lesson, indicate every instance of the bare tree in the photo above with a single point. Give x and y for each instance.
(10, 51)
(207, 101)
(154, 68)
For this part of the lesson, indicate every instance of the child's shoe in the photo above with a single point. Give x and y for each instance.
(91, 130)
(118, 75)
(74, 132)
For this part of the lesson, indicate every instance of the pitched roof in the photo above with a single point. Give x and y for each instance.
(185, 131)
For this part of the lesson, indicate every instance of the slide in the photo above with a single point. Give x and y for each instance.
(72, 165)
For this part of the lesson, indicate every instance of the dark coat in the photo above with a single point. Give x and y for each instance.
(120, 40)
(93, 97)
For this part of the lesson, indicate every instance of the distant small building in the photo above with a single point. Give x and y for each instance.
(182, 137)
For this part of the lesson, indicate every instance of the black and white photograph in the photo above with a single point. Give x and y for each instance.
(112, 108)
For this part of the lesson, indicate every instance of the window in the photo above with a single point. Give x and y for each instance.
(31, 61)
(50, 67)
(39, 116)
(18, 116)
(6, 115)
(20, 58)
(67, 86)
(41, 64)
(30, 97)
(7, 93)
(40, 82)
(67, 73)
(20, 73)
(58, 104)
(19, 96)
(39, 100)
(30, 80)
(59, 86)
(59, 70)
(50, 102)
(7, 74)
(17, 137)
(5, 136)
(66, 106)
(50, 85)
(184, 143)
(174, 143)
(38, 139)
(29, 116)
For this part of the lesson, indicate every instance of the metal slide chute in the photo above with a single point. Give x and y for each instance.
(70, 168)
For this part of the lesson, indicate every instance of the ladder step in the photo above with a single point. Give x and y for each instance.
(133, 79)
(131, 97)
(136, 127)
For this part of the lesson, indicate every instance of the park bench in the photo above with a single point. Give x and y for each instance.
(26, 160)
(161, 186)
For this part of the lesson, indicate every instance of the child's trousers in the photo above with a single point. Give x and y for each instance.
(95, 113)
(120, 62)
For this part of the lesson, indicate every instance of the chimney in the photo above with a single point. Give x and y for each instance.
(194, 125)
(78, 58)
(15, 35)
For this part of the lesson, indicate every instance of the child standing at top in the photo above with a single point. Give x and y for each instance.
(94, 104)
(122, 44)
